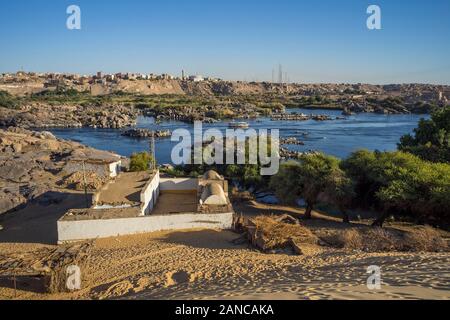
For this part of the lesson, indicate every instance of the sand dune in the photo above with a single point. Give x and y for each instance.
(204, 264)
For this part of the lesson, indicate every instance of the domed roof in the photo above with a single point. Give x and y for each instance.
(212, 175)
(213, 194)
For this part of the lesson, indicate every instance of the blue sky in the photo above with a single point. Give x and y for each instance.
(315, 41)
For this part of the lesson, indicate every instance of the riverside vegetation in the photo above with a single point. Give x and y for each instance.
(403, 185)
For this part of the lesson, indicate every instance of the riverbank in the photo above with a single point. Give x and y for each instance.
(72, 106)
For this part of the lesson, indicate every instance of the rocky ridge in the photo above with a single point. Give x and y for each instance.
(32, 167)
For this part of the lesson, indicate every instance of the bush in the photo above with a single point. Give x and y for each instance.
(420, 239)
(308, 178)
(424, 238)
(401, 184)
(7, 100)
(140, 161)
(431, 140)
(278, 234)
(241, 196)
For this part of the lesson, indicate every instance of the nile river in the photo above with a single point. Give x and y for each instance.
(336, 137)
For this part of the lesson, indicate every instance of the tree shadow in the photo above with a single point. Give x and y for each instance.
(35, 284)
(204, 239)
(36, 222)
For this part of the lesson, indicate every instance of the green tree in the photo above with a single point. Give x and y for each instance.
(431, 139)
(418, 188)
(308, 178)
(286, 184)
(140, 161)
(358, 167)
(7, 100)
(341, 192)
(401, 183)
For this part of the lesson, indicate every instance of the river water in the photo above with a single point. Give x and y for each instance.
(336, 137)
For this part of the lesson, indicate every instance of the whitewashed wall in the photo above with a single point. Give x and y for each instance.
(114, 169)
(178, 184)
(92, 229)
(103, 170)
(149, 195)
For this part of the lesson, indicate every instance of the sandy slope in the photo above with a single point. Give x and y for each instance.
(202, 264)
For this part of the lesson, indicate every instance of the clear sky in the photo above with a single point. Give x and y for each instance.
(315, 41)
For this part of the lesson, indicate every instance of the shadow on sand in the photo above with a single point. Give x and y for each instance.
(36, 222)
(36, 284)
(203, 239)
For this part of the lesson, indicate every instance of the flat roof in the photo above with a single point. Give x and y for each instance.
(125, 190)
(172, 203)
(90, 155)
(100, 214)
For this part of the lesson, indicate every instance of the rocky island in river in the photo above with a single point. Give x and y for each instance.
(31, 100)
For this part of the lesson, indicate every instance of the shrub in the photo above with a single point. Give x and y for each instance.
(241, 196)
(7, 100)
(140, 161)
(401, 184)
(308, 178)
(431, 140)
(424, 238)
(376, 239)
(279, 234)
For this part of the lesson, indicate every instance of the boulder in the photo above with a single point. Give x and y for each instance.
(17, 147)
(17, 172)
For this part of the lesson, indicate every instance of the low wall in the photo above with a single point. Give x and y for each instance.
(149, 195)
(178, 184)
(102, 170)
(92, 229)
(97, 193)
(114, 169)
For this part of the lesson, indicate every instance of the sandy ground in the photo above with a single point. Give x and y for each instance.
(125, 189)
(175, 203)
(204, 264)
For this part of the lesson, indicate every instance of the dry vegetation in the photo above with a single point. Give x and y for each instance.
(272, 232)
(240, 196)
(330, 232)
(279, 234)
(76, 181)
(374, 239)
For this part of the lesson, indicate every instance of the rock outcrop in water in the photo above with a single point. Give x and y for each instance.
(145, 133)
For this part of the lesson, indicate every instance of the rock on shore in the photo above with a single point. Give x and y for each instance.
(65, 116)
(32, 167)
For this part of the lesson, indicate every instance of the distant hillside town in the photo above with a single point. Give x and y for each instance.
(22, 83)
(52, 79)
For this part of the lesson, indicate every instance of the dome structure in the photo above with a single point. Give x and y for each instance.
(212, 175)
(213, 194)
